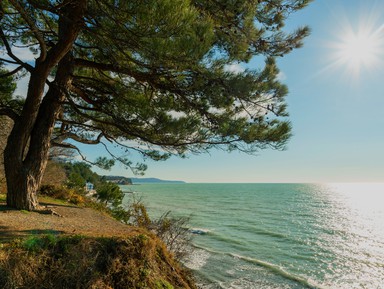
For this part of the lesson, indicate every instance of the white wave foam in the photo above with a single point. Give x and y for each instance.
(199, 231)
(280, 271)
(197, 259)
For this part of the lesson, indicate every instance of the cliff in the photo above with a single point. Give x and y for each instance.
(66, 246)
(136, 261)
(120, 180)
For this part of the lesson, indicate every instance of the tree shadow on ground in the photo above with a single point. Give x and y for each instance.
(52, 204)
(7, 235)
(4, 207)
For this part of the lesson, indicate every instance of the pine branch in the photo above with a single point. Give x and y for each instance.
(16, 70)
(11, 54)
(34, 29)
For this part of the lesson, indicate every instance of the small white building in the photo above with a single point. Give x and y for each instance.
(88, 186)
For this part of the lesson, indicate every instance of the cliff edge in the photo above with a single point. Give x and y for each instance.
(64, 246)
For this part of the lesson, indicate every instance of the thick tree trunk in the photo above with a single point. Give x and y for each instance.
(6, 125)
(26, 153)
(22, 186)
(24, 171)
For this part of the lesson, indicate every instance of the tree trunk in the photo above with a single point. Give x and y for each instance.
(24, 171)
(6, 125)
(22, 185)
(26, 153)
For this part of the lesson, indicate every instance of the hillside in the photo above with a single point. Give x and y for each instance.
(154, 181)
(120, 180)
(66, 246)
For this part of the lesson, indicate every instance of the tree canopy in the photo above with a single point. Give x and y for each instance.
(150, 76)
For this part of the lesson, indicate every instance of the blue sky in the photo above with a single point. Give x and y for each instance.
(336, 103)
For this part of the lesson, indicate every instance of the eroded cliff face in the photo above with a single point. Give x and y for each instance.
(5, 128)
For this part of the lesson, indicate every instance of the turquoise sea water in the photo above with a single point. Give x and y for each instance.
(279, 235)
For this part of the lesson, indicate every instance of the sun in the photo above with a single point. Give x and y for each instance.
(358, 46)
(361, 49)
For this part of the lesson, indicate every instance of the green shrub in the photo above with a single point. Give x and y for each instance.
(37, 243)
(74, 196)
(121, 214)
(109, 193)
(162, 284)
(57, 192)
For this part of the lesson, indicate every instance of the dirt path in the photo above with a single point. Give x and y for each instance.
(66, 219)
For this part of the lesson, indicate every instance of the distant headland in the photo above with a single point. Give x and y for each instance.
(120, 180)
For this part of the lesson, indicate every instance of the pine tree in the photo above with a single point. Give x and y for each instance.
(151, 76)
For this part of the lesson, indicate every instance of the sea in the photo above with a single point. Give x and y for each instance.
(278, 235)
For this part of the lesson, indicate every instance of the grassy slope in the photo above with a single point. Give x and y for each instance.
(139, 260)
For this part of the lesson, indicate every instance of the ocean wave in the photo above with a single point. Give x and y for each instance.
(280, 271)
(275, 269)
(264, 232)
(197, 259)
(235, 241)
(199, 231)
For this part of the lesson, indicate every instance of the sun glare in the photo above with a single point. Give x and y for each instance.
(359, 47)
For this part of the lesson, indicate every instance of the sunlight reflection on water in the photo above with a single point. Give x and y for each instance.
(358, 215)
(365, 204)
(329, 235)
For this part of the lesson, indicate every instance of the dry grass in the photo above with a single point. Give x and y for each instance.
(137, 261)
(44, 251)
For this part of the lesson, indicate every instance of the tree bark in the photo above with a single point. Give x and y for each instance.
(24, 173)
(26, 153)
(22, 186)
(6, 125)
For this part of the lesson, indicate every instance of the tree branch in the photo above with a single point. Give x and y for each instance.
(10, 52)
(153, 77)
(12, 72)
(8, 61)
(9, 112)
(82, 140)
(39, 5)
(34, 29)
(73, 147)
